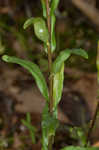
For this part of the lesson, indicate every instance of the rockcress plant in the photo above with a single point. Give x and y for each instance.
(44, 29)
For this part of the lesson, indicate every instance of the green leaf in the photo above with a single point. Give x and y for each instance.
(64, 55)
(49, 126)
(34, 70)
(40, 28)
(28, 117)
(44, 8)
(54, 5)
(80, 148)
(28, 22)
(53, 40)
(58, 85)
(80, 52)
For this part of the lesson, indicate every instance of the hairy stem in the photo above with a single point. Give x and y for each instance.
(51, 138)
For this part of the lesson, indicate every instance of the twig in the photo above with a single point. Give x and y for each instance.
(97, 107)
(92, 124)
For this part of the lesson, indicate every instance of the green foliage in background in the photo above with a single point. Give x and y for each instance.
(30, 127)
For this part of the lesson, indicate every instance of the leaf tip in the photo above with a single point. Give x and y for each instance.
(25, 25)
(87, 56)
(28, 22)
(5, 58)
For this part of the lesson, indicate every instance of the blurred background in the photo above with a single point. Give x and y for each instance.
(77, 26)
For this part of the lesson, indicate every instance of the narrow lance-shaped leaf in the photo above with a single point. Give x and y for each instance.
(54, 5)
(80, 52)
(44, 8)
(58, 86)
(79, 148)
(34, 70)
(28, 22)
(40, 28)
(64, 55)
(53, 40)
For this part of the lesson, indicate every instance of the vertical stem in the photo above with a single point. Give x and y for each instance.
(49, 57)
(51, 138)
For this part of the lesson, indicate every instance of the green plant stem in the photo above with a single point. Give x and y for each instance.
(49, 58)
(51, 138)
